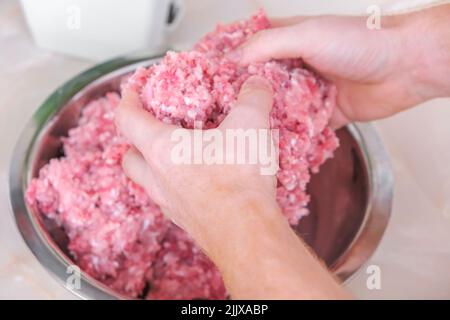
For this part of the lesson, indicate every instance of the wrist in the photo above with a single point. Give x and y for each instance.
(260, 256)
(237, 219)
(427, 46)
(253, 245)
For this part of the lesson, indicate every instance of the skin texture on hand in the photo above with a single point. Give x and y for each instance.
(193, 186)
(377, 72)
(229, 210)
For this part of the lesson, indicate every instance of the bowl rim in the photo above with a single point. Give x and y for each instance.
(367, 239)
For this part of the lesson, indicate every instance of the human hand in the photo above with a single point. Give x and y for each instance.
(230, 210)
(377, 72)
(192, 195)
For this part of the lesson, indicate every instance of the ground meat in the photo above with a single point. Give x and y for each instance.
(182, 271)
(117, 234)
(201, 86)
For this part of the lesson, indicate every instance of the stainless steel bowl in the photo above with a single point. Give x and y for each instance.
(351, 196)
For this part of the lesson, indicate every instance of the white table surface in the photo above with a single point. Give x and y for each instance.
(414, 255)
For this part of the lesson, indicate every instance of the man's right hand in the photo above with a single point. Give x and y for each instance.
(377, 72)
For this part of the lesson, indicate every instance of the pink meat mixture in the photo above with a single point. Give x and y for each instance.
(117, 234)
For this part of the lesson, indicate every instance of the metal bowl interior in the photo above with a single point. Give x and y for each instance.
(350, 196)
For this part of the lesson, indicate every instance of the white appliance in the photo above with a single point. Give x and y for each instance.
(101, 29)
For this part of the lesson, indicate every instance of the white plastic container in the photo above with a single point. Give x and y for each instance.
(100, 29)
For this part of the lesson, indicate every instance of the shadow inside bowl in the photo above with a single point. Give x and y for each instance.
(339, 199)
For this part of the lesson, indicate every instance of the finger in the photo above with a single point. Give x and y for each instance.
(139, 126)
(253, 105)
(276, 43)
(305, 39)
(137, 170)
(280, 33)
(135, 167)
(289, 21)
(338, 119)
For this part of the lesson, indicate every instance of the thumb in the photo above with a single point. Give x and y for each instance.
(253, 105)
